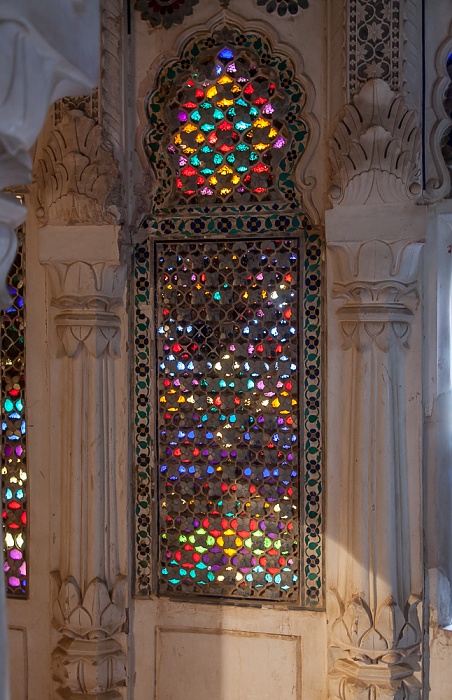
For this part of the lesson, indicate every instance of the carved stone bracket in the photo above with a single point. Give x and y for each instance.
(75, 173)
(375, 149)
(375, 639)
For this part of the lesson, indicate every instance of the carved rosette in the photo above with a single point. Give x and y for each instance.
(375, 150)
(375, 638)
(89, 660)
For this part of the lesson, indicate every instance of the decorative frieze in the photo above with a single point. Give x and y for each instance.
(375, 150)
(375, 639)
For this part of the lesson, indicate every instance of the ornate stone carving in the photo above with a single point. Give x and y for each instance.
(376, 635)
(373, 43)
(88, 625)
(75, 173)
(375, 149)
(89, 104)
(90, 608)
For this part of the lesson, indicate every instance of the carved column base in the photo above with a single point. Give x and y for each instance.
(89, 661)
(357, 680)
(89, 668)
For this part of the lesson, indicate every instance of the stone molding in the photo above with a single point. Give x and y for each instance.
(375, 638)
(74, 173)
(375, 149)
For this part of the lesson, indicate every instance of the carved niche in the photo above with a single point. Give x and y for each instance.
(375, 149)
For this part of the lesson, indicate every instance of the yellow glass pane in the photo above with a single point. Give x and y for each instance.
(235, 179)
(272, 133)
(211, 92)
(213, 180)
(224, 80)
(225, 170)
(188, 150)
(225, 103)
(261, 146)
(188, 128)
(260, 123)
(178, 139)
(225, 190)
(199, 138)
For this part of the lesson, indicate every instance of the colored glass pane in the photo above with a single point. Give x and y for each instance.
(14, 475)
(240, 109)
(228, 417)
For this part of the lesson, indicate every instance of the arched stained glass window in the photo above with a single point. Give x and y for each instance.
(14, 474)
(227, 270)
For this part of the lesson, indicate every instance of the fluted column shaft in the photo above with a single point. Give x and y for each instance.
(374, 581)
(90, 592)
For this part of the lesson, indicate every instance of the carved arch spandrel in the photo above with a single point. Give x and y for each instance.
(306, 172)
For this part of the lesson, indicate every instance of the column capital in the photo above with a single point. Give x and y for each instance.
(377, 280)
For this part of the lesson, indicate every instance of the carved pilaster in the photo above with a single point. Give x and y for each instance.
(91, 596)
(375, 638)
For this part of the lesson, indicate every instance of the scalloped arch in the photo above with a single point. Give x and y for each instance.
(303, 172)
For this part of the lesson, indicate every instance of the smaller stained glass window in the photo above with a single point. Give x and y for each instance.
(230, 133)
(14, 475)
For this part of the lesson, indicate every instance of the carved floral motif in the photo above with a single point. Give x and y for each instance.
(375, 149)
(373, 42)
(89, 661)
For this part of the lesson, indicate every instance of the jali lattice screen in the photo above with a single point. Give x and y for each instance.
(227, 334)
(14, 475)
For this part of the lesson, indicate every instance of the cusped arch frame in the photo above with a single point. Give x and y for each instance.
(303, 174)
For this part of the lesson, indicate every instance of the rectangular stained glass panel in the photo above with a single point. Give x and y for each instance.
(14, 476)
(228, 456)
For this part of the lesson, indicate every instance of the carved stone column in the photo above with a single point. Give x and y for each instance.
(375, 627)
(91, 595)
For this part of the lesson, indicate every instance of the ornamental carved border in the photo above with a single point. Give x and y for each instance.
(374, 42)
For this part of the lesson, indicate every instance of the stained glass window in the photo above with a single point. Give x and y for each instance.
(227, 334)
(14, 475)
(230, 136)
(228, 418)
